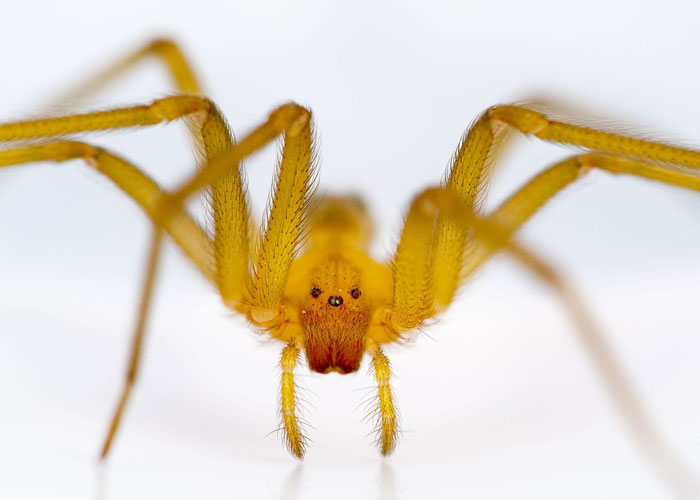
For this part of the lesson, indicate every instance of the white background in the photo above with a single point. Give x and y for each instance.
(499, 401)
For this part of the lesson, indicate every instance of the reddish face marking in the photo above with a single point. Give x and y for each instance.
(335, 318)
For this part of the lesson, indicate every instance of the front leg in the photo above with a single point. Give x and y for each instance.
(414, 275)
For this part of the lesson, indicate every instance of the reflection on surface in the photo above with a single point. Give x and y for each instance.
(291, 485)
(385, 483)
(365, 479)
(100, 481)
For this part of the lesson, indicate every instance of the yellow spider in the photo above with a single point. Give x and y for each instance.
(306, 277)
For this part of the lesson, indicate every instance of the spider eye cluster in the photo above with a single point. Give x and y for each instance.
(354, 293)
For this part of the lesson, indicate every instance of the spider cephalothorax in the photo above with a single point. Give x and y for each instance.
(324, 294)
(335, 317)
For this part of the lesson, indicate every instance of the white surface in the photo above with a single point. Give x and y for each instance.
(499, 402)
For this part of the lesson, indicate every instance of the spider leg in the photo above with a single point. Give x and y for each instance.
(230, 211)
(186, 233)
(221, 170)
(262, 297)
(137, 340)
(279, 245)
(444, 203)
(292, 430)
(469, 171)
(387, 420)
(221, 173)
(634, 416)
(159, 111)
(516, 210)
(229, 206)
(285, 222)
(164, 49)
(228, 199)
(264, 286)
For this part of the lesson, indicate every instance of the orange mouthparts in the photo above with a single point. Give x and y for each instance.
(334, 337)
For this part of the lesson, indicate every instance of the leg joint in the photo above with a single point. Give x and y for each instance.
(290, 118)
(614, 164)
(523, 119)
(172, 108)
(161, 45)
(70, 150)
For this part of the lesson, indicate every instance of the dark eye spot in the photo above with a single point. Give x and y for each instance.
(355, 293)
(335, 301)
(315, 292)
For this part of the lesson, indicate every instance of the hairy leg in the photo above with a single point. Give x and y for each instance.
(159, 111)
(229, 205)
(167, 211)
(262, 299)
(443, 202)
(387, 420)
(469, 171)
(221, 170)
(186, 233)
(296, 441)
(518, 209)
(283, 228)
(228, 198)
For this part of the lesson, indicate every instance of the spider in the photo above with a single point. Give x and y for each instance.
(306, 277)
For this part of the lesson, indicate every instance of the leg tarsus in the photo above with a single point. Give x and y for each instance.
(116, 419)
(137, 340)
(644, 433)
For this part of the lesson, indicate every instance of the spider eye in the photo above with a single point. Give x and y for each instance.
(315, 292)
(355, 293)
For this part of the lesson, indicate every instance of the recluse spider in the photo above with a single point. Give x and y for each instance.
(308, 279)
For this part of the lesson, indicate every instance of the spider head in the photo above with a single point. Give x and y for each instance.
(335, 318)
